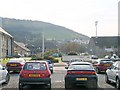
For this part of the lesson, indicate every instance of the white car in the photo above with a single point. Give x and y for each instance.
(74, 60)
(4, 75)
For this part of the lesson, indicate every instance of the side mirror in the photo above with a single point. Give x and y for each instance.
(66, 67)
(3, 68)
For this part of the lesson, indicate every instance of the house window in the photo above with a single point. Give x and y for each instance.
(108, 46)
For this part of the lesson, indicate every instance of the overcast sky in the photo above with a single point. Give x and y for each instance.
(78, 15)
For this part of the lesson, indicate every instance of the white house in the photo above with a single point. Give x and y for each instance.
(6, 44)
(20, 48)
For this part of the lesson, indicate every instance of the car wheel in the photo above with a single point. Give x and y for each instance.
(117, 83)
(97, 70)
(20, 86)
(93, 85)
(49, 86)
(67, 86)
(7, 79)
(52, 71)
(107, 79)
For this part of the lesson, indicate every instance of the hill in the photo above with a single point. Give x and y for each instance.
(22, 29)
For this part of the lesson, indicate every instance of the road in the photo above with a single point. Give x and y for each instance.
(57, 80)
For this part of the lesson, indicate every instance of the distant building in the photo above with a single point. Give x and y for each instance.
(21, 49)
(6, 44)
(80, 41)
(104, 45)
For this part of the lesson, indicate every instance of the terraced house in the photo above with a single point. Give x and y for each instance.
(6, 44)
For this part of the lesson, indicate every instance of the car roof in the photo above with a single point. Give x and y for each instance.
(37, 61)
(104, 59)
(80, 63)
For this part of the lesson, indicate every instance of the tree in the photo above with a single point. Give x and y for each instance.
(72, 47)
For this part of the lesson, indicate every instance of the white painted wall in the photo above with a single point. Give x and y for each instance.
(0, 45)
(9, 47)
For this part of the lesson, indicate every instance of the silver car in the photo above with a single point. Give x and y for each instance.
(113, 74)
(4, 75)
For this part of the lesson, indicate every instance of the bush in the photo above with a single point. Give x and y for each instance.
(34, 57)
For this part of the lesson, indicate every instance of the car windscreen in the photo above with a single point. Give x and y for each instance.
(80, 67)
(106, 61)
(35, 66)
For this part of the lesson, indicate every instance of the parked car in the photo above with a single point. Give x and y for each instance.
(81, 73)
(35, 73)
(15, 64)
(50, 65)
(101, 65)
(4, 75)
(113, 74)
(74, 60)
(94, 57)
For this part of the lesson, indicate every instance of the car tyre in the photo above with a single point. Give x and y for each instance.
(107, 79)
(118, 83)
(52, 71)
(93, 85)
(49, 86)
(20, 86)
(67, 86)
(7, 79)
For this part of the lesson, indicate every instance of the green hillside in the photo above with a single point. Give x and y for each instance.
(21, 29)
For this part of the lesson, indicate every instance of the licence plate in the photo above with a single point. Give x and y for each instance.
(81, 79)
(34, 75)
(13, 64)
(106, 65)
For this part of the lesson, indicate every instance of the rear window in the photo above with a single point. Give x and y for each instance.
(75, 60)
(106, 61)
(81, 67)
(35, 66)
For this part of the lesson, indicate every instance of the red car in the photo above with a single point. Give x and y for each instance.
(101, 65)
(35, 73)
(15, 64)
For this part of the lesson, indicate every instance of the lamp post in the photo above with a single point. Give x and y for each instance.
(43, 46)
(96, 23)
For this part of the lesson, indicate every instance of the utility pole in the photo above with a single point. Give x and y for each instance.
(43, 46)
(96, 23)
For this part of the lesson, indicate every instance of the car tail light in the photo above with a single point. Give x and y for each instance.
(47, 76)
(20, 64)
(82, 72)
(100, 64)
(22, 74)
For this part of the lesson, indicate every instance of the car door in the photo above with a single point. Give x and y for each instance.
(4, 73)
(110, 71)
(0, 73)
(115, 72)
